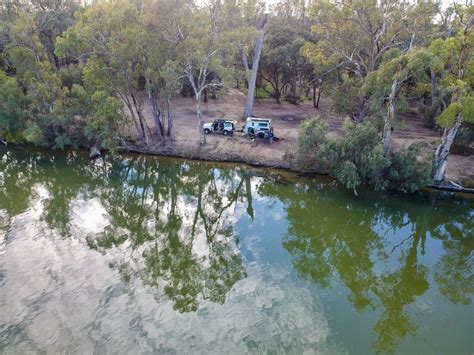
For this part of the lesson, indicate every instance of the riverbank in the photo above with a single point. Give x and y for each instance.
(286, 119)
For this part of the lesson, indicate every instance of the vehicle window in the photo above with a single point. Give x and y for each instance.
(263, 124)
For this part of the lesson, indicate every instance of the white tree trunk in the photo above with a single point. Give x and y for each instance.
(156, 115)
(442, 152)
(388, 119)
(202, 135)
(253, 76)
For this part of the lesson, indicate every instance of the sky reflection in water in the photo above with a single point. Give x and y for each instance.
(173, 256)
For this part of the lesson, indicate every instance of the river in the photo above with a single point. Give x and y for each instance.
(144, 254)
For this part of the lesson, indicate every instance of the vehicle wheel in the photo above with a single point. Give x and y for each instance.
(207, 130)
(251, 131)
(260, 135)
(226, 133)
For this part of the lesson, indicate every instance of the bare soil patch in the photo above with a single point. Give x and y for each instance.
(286, 120)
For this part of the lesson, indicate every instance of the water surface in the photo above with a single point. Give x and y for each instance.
(170, 256)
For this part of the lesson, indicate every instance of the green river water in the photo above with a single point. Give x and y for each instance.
(167, 256)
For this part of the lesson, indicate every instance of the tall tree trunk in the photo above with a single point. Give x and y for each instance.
(277, 94)
(202, 135)
(361, 111)
(320, 91)
(141, 119)
(253, 77)
(388, 119)
(314, 96)
(156, 114)
(317, 97)
(442, 152)
(434, 88)
(135, 119)
(170, 118)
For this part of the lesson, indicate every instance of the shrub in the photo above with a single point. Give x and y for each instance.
(312, 134)
(357, 157)
(405, 172)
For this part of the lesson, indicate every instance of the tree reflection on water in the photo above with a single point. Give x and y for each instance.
(171, 225)
(168, 224)
(373, 246)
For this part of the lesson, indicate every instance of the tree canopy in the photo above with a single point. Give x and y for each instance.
(87, 75)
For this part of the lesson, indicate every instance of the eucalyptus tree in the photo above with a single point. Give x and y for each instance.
(454, 71)
(171, 82)
(106, 36)
(253, 29)
(13, 104)
(25, 55)
(388, 87)
(162, 72)
(281, 59)
(51, 18)
(246, 24)
(357, 34)
(199, 47)
(324, 68)
(262, 28)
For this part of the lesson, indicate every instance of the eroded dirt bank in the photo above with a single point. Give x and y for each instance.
(286, 120)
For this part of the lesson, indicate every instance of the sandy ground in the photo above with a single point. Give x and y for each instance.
(286, 120)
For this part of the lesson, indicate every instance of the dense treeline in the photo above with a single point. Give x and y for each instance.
(75, 75)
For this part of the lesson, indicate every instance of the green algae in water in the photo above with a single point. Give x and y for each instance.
(148, 254)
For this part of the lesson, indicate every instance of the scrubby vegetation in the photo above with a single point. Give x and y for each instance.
(76, 75)
(357, 157)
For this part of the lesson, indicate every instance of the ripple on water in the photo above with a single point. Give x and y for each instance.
(59, 295)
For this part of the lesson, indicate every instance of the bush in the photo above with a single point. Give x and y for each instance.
(260, 92)
(312, 134)
(405, 172)
(463, 145)
(357, 157)
(71, 75)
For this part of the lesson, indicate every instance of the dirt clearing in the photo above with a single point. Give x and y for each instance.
(286, 119)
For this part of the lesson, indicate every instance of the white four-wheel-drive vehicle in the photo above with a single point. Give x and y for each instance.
(259, 127)
(225, 127)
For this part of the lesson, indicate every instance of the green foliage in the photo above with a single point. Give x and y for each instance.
(357, 157)
(467, 108)
(33, 133)
(66, 78)
(12, 103)
(61, 141)
(448, 116)
(261, 93)
(71, 75)
(312, 135)
(454, 67)
(106, 118)
(281, 61)
(406, 173)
